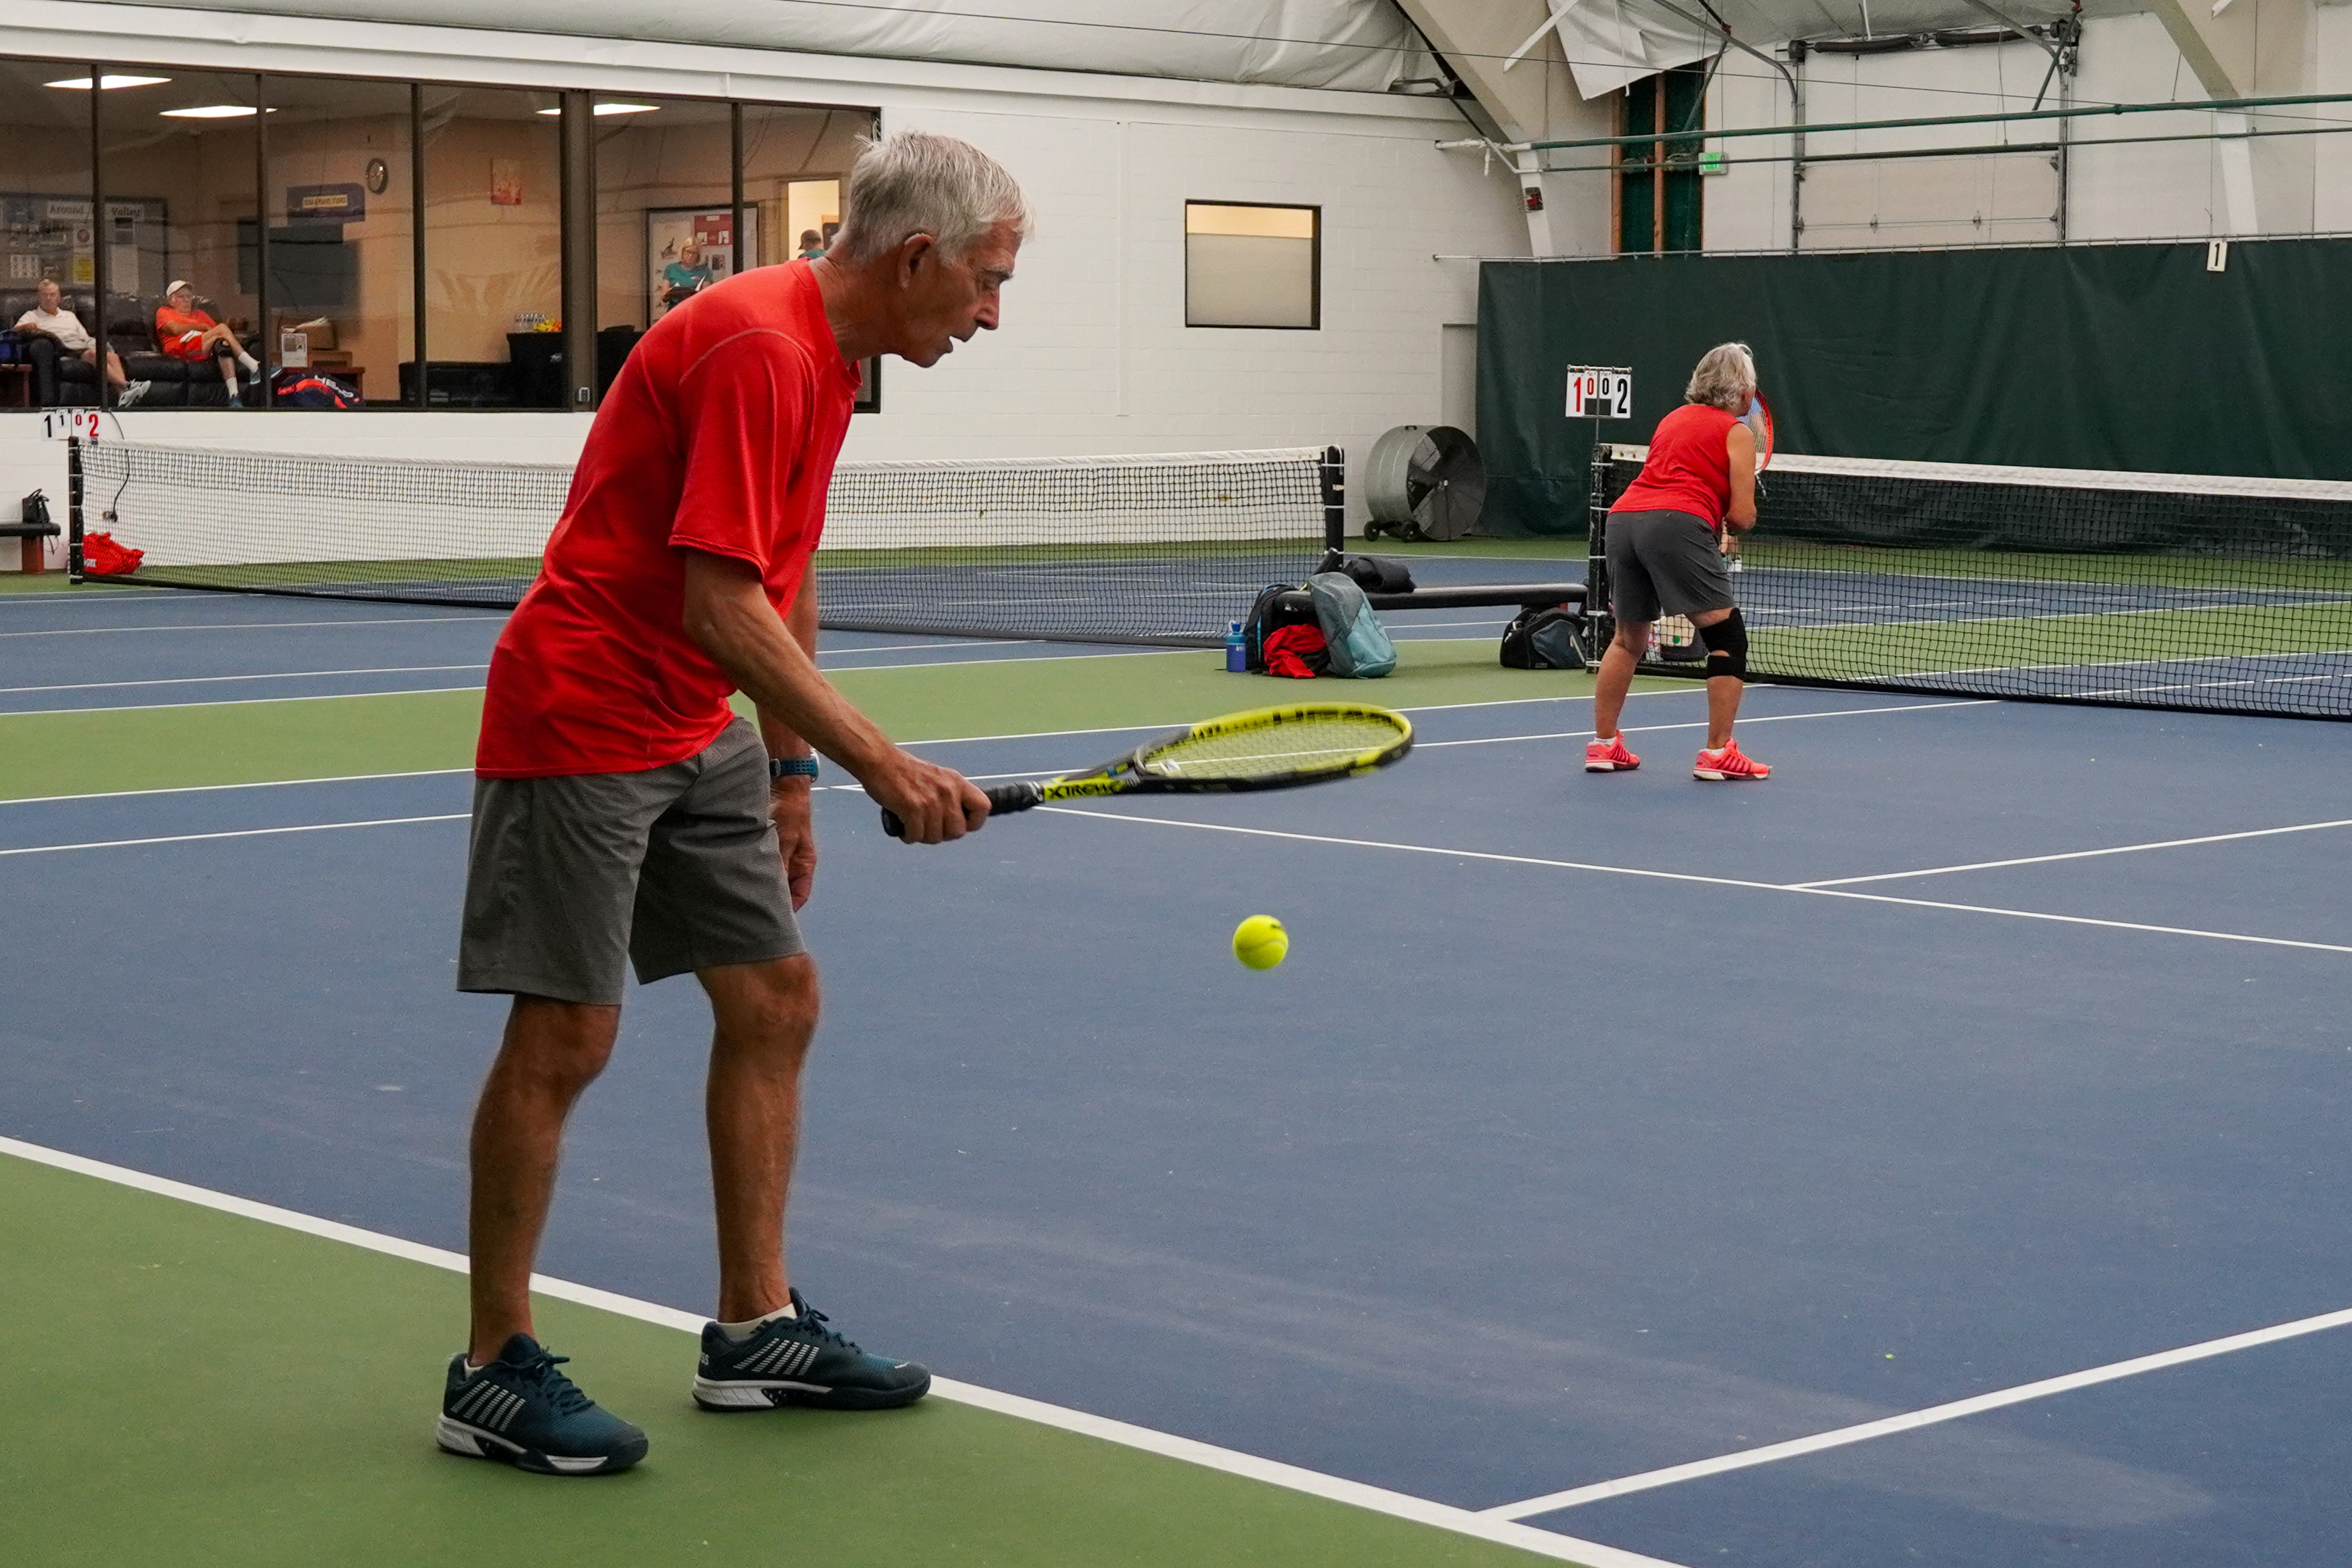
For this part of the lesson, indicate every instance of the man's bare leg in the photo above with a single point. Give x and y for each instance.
(766, 1016)
(552, 1051)
(1616, 677)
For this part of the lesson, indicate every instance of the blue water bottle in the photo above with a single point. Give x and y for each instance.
(1236, 649)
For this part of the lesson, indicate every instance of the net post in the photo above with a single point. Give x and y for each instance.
(1335, 506)
(1600, 625)
(73, 509)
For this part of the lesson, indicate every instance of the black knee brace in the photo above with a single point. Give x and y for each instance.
(1726, 640)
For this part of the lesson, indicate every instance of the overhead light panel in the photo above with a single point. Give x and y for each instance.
(603, 109)
(108, 83)
(210, 112)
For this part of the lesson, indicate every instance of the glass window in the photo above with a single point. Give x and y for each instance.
(1659, 195)
(1250, 265)
(339, 200)
(665, 214)
(47, 229)
(177, 172)
(493, 248)
(795, 161)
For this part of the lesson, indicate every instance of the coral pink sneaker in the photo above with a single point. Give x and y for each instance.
(1729, 765)
(1609, 756)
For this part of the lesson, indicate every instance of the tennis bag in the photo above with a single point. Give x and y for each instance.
(1542, 637)
(1360, 649)
(1377, 574)
(296, 390)
(1268, 616)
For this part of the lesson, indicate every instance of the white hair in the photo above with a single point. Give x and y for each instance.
(919, 182)
(1725, 379)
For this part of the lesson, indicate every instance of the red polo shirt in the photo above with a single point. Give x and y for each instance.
(719, 435)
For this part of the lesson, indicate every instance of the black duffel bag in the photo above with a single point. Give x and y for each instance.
(1543, 636)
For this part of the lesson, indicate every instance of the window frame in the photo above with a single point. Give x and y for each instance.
(1315, 265)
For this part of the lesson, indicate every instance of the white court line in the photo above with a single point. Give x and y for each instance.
(229, 703)
(207, 789)
(258, 626)
(239, 833)
(1757, 719)
(943, 741)
(274, 675)
(943, 642)
(1377, 1500)
(2073, 854)
(433, 669)
(1041, 659)
(1772, 1453)
(1551, 735)
(1693, 877)
(1678, 689)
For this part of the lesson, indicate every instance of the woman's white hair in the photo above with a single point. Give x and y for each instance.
(1725, 379)
(918, 183)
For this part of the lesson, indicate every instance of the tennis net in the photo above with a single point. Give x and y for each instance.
(2176, 591)
(1153, 548)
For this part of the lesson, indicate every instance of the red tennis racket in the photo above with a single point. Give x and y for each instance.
(1759, 420)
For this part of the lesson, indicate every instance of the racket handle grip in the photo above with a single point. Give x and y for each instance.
(1002, 799)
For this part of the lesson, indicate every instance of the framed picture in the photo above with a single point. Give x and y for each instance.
(689, 248)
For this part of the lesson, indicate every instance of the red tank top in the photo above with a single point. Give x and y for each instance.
(1689, 467)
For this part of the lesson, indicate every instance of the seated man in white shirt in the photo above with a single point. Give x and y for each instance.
(51, 319)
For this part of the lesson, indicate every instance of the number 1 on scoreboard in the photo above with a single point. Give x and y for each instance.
(1600, 392)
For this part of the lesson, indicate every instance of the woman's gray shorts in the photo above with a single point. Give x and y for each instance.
(1665, 558)
(571, 879)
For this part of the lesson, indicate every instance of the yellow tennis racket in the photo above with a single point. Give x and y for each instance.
(1266, 748)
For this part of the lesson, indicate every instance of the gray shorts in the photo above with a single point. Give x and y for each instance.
(673, 868)
(1668, 559)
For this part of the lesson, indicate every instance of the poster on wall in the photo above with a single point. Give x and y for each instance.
(689, 248)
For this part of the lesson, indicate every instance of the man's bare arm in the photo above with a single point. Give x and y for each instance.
(728, 617)
(784, 740)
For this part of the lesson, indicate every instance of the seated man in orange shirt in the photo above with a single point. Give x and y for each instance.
(183, 331)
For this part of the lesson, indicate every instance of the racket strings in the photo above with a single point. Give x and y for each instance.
(1313, 744)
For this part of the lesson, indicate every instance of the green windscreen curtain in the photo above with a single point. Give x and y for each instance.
(2132, 357)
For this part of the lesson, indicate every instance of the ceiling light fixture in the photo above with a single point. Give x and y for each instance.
(603, 109)
(108, 83)
(210, 112)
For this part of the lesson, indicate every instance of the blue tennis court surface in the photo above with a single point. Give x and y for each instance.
(1596, 1126)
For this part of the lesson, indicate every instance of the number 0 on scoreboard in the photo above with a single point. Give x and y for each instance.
(1598, 392)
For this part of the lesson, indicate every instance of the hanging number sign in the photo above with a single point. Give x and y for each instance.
(1600, 392)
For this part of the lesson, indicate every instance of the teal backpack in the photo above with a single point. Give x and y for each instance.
(1351, 633)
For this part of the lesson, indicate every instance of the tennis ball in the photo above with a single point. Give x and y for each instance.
(1260, 942)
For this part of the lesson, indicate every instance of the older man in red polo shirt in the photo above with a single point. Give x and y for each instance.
(624, 815)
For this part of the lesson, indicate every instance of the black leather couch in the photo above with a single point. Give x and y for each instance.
(62, 380)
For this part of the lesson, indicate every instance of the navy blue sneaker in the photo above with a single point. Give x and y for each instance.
(799, 1361)
(522, 1410)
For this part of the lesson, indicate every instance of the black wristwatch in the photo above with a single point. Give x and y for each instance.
(791, 768)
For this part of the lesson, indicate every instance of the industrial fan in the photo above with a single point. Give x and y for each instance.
(1424, 481)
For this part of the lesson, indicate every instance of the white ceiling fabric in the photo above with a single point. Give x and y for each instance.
(1612, 42)
(1358, 45)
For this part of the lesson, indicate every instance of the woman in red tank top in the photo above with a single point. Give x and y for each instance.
(1666, 541)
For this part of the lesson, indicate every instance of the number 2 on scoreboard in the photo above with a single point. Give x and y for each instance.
(1598, 391)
